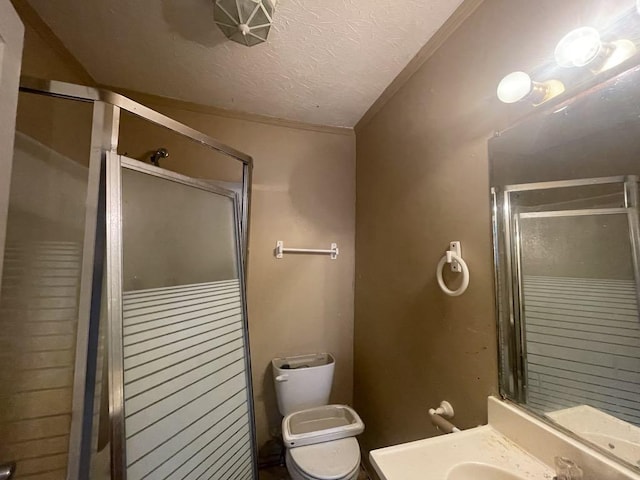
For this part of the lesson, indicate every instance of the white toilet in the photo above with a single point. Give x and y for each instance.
(320, 438)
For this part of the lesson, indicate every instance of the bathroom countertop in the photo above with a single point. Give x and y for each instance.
(434, 458)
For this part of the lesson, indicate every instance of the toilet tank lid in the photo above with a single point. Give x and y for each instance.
(320, 424)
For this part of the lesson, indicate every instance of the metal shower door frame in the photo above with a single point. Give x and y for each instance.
(114, 165)
(508, 264)
(70, 91)
(107, 107)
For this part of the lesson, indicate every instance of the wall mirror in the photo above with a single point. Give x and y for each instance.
(564, 190)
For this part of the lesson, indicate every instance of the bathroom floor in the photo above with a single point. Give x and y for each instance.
(280, 473)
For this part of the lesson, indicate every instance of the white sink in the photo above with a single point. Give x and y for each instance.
(480, 471)
(480, 453)
(514, 446)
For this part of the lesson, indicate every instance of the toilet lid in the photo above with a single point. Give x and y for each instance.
(328, 460)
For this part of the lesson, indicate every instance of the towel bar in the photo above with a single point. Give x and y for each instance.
(280, 250)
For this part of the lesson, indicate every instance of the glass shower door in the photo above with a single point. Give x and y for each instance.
(41, 314)
(580, 325)
(180, 391)
(575, 259)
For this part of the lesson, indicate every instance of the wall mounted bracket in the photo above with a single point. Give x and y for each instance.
(455, 250)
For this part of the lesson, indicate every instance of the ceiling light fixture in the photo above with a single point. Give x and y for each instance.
(583, 46)
(244, 21)
(518, 86)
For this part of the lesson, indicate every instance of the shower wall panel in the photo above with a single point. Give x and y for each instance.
(39, 308)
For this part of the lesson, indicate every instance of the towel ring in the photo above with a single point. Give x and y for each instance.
(453, 257)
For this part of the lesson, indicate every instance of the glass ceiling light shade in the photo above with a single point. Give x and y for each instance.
(244, 21)
(583, 46)
(518, 86)
(578, 48)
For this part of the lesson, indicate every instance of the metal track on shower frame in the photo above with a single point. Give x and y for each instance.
(82, 93)
(107, 106)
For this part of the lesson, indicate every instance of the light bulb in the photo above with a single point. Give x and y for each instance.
(518, 86)
(578, 47)
(514, 87)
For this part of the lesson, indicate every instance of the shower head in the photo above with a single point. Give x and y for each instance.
(157, 155)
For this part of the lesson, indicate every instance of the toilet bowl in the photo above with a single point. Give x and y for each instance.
(320, 438)
(334, 460)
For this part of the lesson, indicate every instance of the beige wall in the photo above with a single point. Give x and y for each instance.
(422, 181)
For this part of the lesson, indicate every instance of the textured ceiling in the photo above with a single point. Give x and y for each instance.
(326, 61)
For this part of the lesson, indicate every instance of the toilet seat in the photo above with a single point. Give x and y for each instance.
(335, 460)
(320, 424)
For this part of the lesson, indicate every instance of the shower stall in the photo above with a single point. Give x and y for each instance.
(123, 319)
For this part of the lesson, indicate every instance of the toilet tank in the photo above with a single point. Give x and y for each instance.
(302, 381)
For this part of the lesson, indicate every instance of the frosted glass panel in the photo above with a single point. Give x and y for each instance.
(185, 378)
(41, 284)
(175, 234)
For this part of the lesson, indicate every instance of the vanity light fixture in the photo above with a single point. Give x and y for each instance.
(583, 46)
(518, 86)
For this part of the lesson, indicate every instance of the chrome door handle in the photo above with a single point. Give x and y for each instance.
(7, 470)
